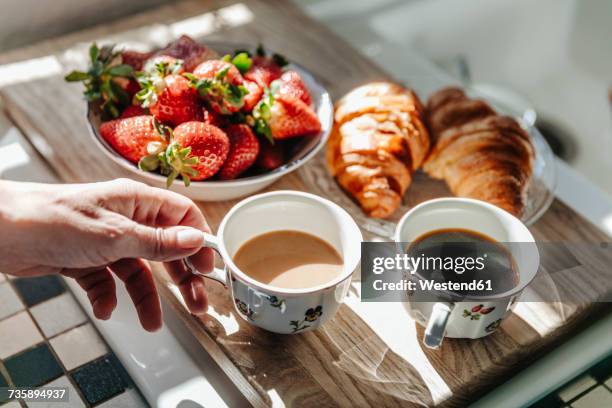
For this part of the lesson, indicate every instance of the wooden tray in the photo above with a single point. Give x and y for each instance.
(369, 354)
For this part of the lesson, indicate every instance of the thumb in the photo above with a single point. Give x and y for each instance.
(163, 244)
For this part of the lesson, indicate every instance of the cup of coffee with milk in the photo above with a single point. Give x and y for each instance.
(289, 257)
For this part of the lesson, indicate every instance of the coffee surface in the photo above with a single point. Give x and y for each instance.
(289, 260)
(460, 245)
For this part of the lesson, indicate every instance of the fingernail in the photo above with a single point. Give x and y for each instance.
(189, 238)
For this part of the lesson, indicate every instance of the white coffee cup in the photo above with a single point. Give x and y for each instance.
(279, 310)
(463, 319)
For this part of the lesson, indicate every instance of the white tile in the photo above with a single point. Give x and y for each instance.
(74, 400)
(17, 333)
(9, 301)
(78, 346)
(597, 398)
(576, 387)
(130, 398)
(58, 314)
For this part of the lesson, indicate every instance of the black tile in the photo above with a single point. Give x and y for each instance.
(602, 370)
(4, 395)
(34, 367)
(101, 379)
(39, 289)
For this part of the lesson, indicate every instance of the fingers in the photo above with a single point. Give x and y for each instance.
(138, 279)
(162, 244)
(152, 206)
(100, 287)
(191, 286)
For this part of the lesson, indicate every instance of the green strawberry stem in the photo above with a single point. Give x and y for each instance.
(99, 79)
(219, 91)
(241, 60)
(262, 113)
(169, 157)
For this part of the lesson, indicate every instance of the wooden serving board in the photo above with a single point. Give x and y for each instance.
(370, 354)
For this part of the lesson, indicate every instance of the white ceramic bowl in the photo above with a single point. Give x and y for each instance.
(217, 190)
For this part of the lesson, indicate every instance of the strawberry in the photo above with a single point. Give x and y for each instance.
(291, 84)
(252, 98)
(477, 308)
(135, 59)
(105, 80)
(263, 71)
(220, 84)
(187, 49)
(290, 117)
(133, 110)
(271, 156)
(197, 152)
(169, 98)
(244, 148)
(131, 137)
(210, 69)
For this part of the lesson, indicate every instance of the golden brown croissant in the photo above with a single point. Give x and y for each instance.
(478, 153)
(379, 139)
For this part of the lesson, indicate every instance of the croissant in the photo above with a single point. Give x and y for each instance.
(479, 153)
(378, 140)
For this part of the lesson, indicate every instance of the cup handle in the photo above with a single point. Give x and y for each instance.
(217, 274)
(436, 326)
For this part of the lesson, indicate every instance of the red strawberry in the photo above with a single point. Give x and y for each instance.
(477, 308)
(135, 58)
(254, 95)
(199, 152)
(291, 84)
(263, 71)
(131, 136)
(133, 110)
(220, 84)
(271, 156)
(210, 69)
(174, 104)
(191, 52)
(244, 148)
(290, 117)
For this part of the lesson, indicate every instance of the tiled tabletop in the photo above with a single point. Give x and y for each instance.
(47, 340)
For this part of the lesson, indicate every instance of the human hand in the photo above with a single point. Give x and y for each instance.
(91, 231)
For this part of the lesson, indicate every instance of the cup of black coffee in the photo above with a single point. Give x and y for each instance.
(475, 260)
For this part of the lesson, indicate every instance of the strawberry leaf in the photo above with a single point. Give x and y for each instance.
(122, 70)
(149, 163)
(77, 76)
(280, 60)
(98, 80)
(262, 114)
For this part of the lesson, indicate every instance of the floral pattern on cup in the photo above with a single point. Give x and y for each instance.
(493, 326)
(244, 309)
(310, 316)
(477, 311)
(276, 302)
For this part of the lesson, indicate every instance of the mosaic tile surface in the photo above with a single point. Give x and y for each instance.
(48, 341)
(592, 389)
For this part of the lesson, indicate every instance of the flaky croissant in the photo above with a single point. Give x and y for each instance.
(378, 140)
(478, 153)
